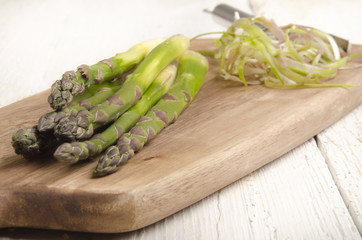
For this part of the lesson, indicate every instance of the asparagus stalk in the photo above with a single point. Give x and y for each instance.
(192, 71)
(31, 142)
(95, 95)
(73, 83)
(75, 151)
(83, 125)
(115, 84)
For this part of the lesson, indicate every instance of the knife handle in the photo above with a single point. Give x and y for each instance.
(227, 12)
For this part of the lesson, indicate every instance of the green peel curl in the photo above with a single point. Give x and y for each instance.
(292, 56)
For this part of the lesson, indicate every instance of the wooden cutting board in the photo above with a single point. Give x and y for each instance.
(225, 134)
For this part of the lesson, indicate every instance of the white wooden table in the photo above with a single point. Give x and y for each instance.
(311, 192)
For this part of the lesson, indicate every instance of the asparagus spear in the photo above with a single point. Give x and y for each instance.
(75, 151)
(82, 126)
(73, 83)
(95, 95)
(31, 142)
(192, 71)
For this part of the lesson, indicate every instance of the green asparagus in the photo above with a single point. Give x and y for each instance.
(31, 142)
(192, 71)
(93, 96)
(75, 151)
(73, 83)
(83, 125)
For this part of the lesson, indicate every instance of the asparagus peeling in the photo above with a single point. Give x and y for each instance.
(82, 126)
(73, 83)
(191, 73)
(292, 56)
(75, 151)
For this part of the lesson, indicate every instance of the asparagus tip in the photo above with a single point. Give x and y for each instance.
(47, 122)
(73, 128)
(27, 142)
(111, 160)
(108, 163)
(71, 152)
(63, 90)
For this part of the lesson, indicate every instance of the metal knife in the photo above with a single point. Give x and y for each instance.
(227, 13)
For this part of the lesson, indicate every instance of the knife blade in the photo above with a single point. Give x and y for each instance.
(228, 12)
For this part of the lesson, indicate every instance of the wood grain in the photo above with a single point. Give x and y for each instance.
(225, 134)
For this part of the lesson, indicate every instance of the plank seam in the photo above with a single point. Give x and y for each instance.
(326, 160)
(219, 215)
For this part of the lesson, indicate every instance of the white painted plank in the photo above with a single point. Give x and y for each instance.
(341, 144)
(196, 222)
(294, 197)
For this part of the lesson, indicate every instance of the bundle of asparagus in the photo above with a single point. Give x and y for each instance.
(95, 106)
(83, 125)
(75, 151)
